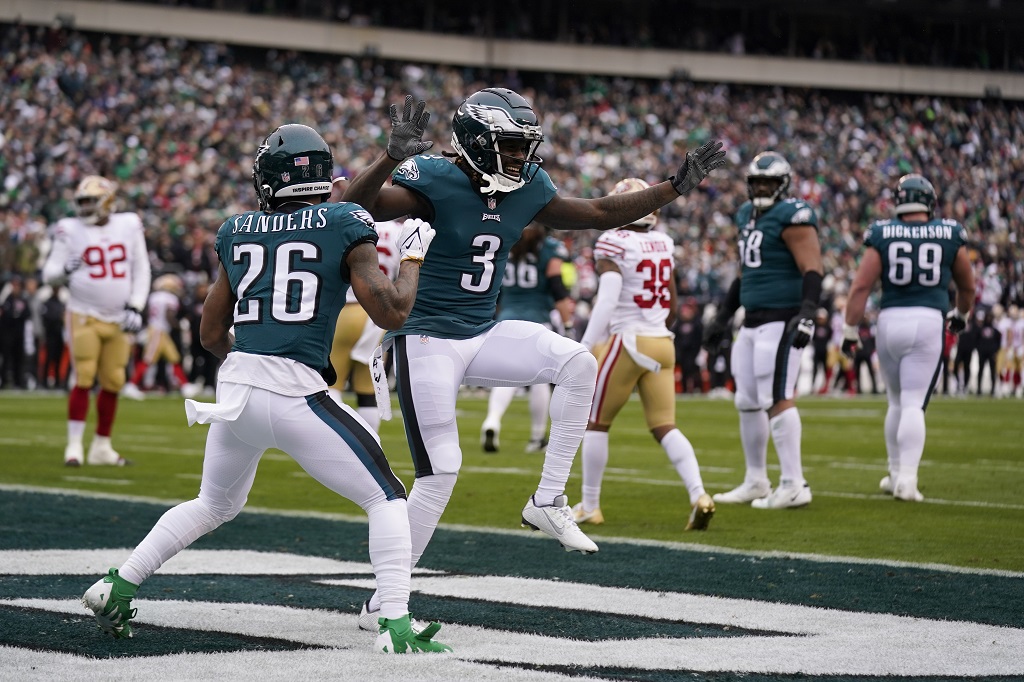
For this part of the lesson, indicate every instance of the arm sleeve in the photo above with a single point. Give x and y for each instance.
(609, 288)
(141, 275)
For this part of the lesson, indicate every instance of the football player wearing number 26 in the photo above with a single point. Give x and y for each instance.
(480, 199)
(284, 271)
(915, 255)
(101, 255)
(779, 287)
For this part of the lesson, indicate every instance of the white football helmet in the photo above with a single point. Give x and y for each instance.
(94, 199)
(773, 166)
(169, 282)
(636, 185)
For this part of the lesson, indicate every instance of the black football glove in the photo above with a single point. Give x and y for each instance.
(714, 334)
(697, 164)
(801, 327)
(957, 321)
(131, 320)
(407, 134)
(851, 340)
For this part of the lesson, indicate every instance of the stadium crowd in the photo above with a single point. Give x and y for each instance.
(177, 124)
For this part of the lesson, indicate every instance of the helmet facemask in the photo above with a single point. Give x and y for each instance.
(94, 199)
(768, 166)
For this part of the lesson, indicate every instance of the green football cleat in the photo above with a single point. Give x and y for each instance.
(110, 599)
(397, 637)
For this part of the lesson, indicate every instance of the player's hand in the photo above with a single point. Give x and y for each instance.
(131, 320)
(851, 340)
(801, 327)
(415, 239)
(72, 263)
(697, 164)
(714, 334)
(407, 133)
(956, 320)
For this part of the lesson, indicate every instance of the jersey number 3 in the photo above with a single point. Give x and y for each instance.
(295, 293)
(657, 280)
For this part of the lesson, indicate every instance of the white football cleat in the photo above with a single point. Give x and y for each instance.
(906, 489)
(557, 521)
(369, 620)
(885, 485)
(786, 496)
(132, 392)
(745, 493)
(102, 454)
(73, 454)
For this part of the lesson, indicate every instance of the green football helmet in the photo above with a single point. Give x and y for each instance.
(294, 161)
(914, 194)
(770, 165)
(483, 122)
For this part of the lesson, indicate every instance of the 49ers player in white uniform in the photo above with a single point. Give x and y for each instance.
(635, 297)
(102, 258)
(356, 336)
(162, 315)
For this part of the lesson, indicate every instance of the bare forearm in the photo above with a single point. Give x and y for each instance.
(365, 187)
(219, 344)
(964, 299)
(607, 212)
(390, 302)
(855, 304)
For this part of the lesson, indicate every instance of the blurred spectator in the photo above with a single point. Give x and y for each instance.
(53, 335)
(864, 357)
(689, 330)
(966, 348)
(819, 342)
(989, 341)
(14, 318)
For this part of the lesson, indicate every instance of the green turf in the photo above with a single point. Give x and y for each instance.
(972, 475)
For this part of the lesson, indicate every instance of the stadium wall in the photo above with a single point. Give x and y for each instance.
(332, 38)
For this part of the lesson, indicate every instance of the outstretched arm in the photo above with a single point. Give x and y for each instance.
(387, 303)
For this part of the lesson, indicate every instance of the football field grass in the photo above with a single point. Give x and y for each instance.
(972, 475)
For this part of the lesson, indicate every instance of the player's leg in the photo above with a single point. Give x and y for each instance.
(543, 356)
(890, 347)
(113, 362)
(150, 355)
(753, 424)
(229, 467)
(776, 366)
(919, 373)
(540, 407)
(657, 393)
(617, 374)
(366, 401)
(497, 403)
(85, 357)
(347, 330)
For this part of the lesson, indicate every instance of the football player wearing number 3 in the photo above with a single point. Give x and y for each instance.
(479, 199)
(101, 256)
(284, 271)
(915, 255)
(779, 287)
(635, 299)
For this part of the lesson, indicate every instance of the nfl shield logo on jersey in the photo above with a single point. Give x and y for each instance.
(286, 177)
(424, 339)
(492, 203)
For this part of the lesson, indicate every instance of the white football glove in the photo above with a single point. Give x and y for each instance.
(131, 320)
(72, 264)
(415, 239)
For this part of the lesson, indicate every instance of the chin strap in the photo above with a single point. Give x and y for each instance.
(498, 183)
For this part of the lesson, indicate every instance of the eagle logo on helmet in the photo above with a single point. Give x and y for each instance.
(768, 166)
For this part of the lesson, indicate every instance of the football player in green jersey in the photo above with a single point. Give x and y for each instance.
(479, 199)
(531, 290)
(779, 287)
(284, 273)
(915, 256)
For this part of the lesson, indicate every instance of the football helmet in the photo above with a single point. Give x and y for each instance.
(636, 185)
(768, 165)
(914, 194)
(294, 161)
(94, 199)
(169, 282)
(485, 125)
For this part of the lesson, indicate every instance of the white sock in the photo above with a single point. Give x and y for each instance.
(540, 401)
(595, 459)
(391, 555)
(570, 409)
(754, 436)
(786, 432)
(684, 459)
(910, 440)
(497, 404)
(372, 418)
(892, 448)
(75, 431)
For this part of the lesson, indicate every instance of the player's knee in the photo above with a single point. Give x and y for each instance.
(85, 373)
(445, 458)
(579, 372)
(745, 402)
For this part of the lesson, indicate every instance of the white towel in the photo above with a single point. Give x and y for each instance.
(380, 381)
(648, 363)
(231, 400)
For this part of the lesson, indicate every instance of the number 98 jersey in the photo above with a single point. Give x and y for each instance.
(646, 262)
(288, 272)
(771, 278)
(917, 260)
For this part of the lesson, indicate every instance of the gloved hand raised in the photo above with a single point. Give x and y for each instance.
(697, 164)
(407, 133)
(415, 239)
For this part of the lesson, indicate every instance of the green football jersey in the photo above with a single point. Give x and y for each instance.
(917, 260)
(524, 290)
(462, 273)
(771, 278)
(289, 275)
